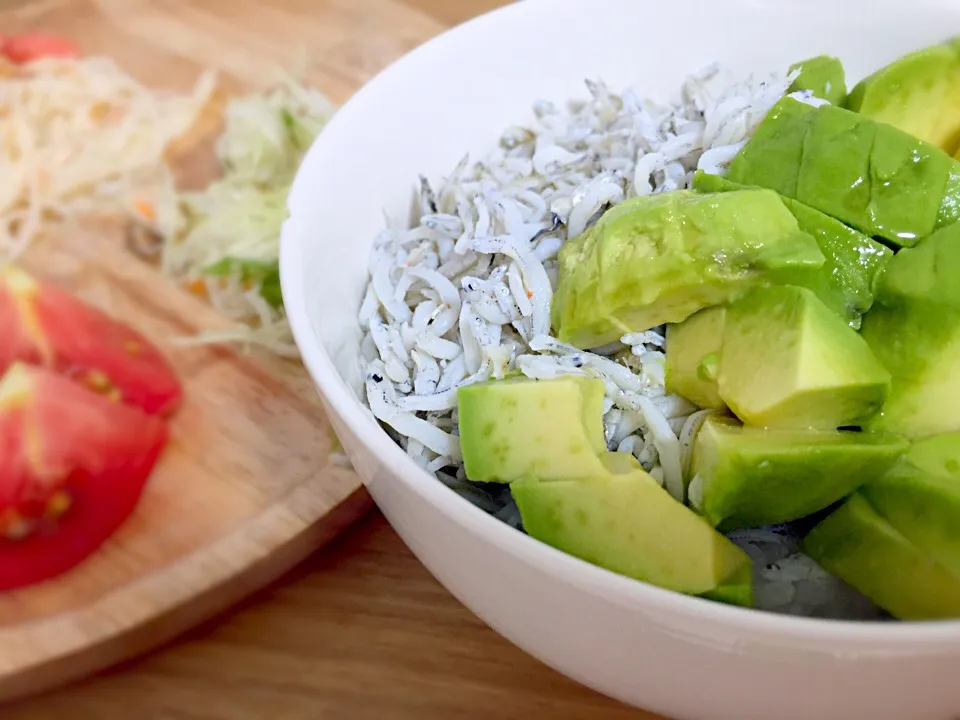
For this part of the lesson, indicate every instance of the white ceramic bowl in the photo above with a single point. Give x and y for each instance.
(680, 656)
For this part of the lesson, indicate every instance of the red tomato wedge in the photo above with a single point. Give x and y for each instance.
(43, 325)
(22, 49)
(74, 466)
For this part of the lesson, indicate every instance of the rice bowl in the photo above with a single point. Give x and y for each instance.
(424, 511)
(471, 255)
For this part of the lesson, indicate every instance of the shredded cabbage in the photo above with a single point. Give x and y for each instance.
(77, 136)
(224, 241)
(81, 135)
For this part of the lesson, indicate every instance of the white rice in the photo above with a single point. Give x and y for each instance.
(463, 293)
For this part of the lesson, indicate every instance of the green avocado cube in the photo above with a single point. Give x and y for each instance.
(516, 428)
(658, 259)
(626, 523)
(748, 477)
(787, 361)
(854, 261)
(908, 179)
(918, 93)
(857, 545)
(834, 173)
(692, 353)
(773, 155)
(576, 299)
(920, 497)
(734, 590)
(950, 207)
(913, 329)
(846, 281)
(823, 76)
(869, 175)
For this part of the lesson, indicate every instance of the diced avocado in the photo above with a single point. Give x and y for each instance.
(950, 208)
(872, 176)
(619, 463)
(823, 76)
(921, 498)
(735, 590)
(709, 183)
(908, 179)
(510, 429)
(659, 258)
(690, 347)
(749, 477)
(847, 278)
(919, 93)
(787, 361)
(937, 456)
(914, 330)
(860, 547)
(773, 155)
(576, 297)
(630, 525)
(834, 173)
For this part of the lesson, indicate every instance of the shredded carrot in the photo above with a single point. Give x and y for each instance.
(197, 287)
(530, 294)
(146, 210)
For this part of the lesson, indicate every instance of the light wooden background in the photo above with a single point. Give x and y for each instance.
(361, 630)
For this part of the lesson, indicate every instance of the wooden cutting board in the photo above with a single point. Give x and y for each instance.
(245, 490)
(247, 487)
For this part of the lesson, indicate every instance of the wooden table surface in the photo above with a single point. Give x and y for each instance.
(361, 630)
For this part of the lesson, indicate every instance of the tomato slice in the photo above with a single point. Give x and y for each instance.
(43, 325)
(74, 466)
(22, 49)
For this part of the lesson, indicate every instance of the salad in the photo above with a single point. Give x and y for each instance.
(83, 137)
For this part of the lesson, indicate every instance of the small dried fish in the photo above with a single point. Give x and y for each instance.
(465, 294)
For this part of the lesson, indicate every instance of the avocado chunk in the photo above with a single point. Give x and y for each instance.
(914, 330)
(867, 174)
(630, 525)
(921, 498)
(823, 76)
(619, 463)
(657, 259)
(692, 354)
(734, 590)
(853, 262)
(774, 153)
(858, 546)
(510, 429)
(787, 361)
(575, 301)
(919, 93)
(750, 477)
(937, 456)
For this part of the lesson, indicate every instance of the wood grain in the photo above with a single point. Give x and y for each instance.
(244, 491)
(360, 630)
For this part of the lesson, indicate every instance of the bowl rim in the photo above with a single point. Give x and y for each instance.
(864, 636)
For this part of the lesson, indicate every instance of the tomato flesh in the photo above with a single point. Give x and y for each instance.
(26, 48)
(74, 467)
(44, 325)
